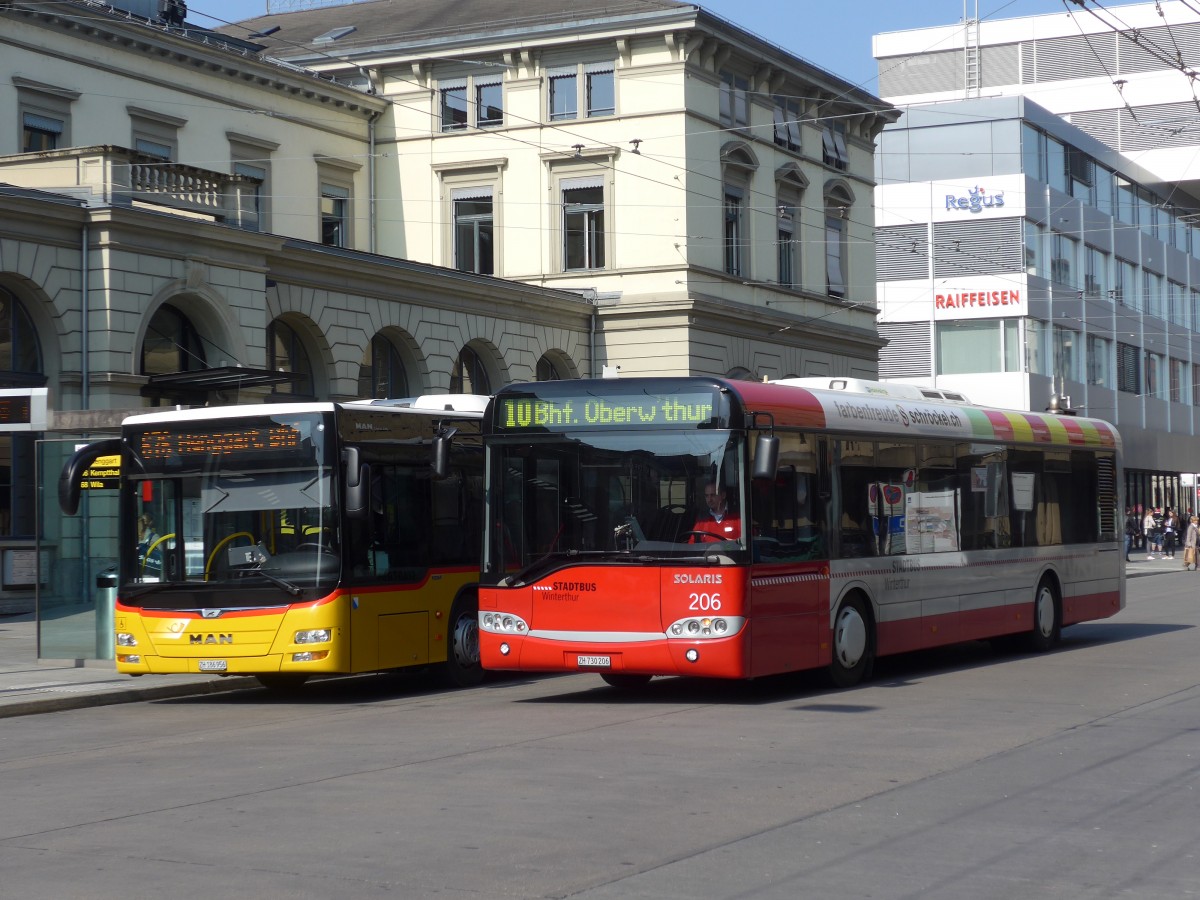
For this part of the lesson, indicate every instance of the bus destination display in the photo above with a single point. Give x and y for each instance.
(617, 411)
(249, 439)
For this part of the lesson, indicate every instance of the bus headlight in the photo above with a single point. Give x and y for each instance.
(502, 623)
(125, 639)
(314, 636)
(708, 627)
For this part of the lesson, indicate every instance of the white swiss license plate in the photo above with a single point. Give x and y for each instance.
(594, 662)
(213, 665)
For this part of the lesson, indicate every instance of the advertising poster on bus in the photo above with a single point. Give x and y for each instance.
(932, 521)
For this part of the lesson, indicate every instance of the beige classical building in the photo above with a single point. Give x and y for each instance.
(712, 191)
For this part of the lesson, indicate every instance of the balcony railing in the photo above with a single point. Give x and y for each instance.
(122, 177)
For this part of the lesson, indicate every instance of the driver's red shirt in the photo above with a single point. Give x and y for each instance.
(728, 529)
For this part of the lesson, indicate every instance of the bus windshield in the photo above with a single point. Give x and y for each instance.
(615, 494)
(243, 506)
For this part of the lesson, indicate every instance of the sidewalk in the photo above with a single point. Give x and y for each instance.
(29, 685)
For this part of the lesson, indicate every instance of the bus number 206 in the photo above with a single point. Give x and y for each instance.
(705, 602)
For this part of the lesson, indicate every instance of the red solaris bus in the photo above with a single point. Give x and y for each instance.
(697, 526)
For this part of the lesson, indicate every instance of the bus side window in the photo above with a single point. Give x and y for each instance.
(449, 536)
(789, 513)
(856, 470)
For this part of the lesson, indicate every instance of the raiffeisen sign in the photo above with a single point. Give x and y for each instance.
(976, 200)
(980, 298)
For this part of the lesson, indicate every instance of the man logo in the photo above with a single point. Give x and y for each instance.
(210, 639)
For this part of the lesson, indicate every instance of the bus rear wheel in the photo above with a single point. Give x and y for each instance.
(1047, 619)
(462, 667)
(624, 681)
(853, 644)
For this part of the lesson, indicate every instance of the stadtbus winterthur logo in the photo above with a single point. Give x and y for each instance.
(976, 200)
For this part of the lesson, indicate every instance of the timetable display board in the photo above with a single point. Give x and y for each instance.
(23, 409)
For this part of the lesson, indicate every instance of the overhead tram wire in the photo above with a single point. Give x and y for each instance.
(717, 201)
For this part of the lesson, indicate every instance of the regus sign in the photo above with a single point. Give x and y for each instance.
(976, 200)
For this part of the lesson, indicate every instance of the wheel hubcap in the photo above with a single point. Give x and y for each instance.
(850, 638)
(1045, 612)
(466, 641)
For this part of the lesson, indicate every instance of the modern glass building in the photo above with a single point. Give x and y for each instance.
(1025, 263)
(1054, 157)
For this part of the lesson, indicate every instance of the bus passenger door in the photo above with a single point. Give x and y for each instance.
(789, 585)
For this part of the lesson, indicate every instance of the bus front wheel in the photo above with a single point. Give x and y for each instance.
(462, 668)
(853, 644)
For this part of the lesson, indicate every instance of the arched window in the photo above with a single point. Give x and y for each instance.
(382, 374)
(469, 375)
(547, 370)
(172, 344)
(20, 355)
(837, 222)
(740, 373)
(286, 353)
(789, 191)
(20, 366)
(737, 170)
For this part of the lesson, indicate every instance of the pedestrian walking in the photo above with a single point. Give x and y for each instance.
(1190, 539)
(1148, 530)
(1131, 530)
(1170, 530)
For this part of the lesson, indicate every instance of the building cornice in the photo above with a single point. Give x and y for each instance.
(177, 46)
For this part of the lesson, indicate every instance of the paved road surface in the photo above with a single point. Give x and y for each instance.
(954, 774)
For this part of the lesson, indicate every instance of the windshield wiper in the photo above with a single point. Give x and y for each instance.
(278, 582)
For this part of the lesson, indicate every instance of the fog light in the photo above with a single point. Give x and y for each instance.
(129, 659)
(124, 639)
(314, 636)
(692, 655)
(302, 657)
(505, 649)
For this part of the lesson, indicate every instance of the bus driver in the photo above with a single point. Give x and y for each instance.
(717, 519)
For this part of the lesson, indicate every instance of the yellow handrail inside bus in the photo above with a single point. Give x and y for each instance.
(220, 544)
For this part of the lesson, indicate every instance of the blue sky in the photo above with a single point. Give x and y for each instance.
(834, 35)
